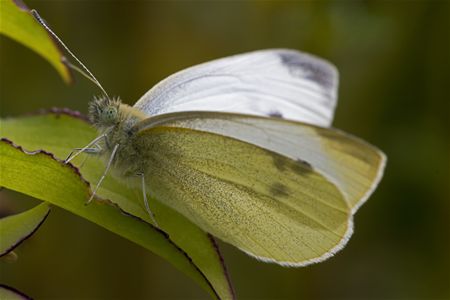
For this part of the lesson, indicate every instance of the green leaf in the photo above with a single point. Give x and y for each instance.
(17, 228)
(42, 176)
(19, 24)
(9, 293)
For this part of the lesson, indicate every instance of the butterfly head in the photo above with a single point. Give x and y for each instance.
(104, 112)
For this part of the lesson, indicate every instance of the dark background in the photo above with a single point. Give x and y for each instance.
(393, 59)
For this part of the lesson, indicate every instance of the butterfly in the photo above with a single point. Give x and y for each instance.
(243, 147)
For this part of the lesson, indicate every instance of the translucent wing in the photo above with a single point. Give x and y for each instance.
(353, 165)
(277, 82)
(268, 205)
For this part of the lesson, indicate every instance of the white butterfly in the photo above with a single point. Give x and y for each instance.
(242, 146)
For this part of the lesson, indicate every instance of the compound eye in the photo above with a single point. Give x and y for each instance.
(110, 113)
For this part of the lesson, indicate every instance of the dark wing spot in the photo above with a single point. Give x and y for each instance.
(301, 167)
(304, 163)
(279, 190)
(279, 162)
(298, 166)
(275, 114)
(304, 66)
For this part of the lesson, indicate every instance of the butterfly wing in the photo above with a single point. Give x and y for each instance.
(282, 191)
(268, 205)
(353, 165)
(276, 82)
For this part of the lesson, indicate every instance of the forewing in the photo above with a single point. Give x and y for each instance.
(277, 82)
(270, 206)
(353, 165)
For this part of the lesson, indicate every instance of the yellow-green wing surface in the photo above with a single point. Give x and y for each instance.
(353, 165)
(268, 205)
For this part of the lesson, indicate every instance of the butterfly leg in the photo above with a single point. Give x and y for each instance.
(97, 150)
(74, 154)
(108, 166)
(147, 207)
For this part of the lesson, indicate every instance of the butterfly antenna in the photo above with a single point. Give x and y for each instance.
(84, 70)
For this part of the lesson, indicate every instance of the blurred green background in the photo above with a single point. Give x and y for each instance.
(393, 59)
